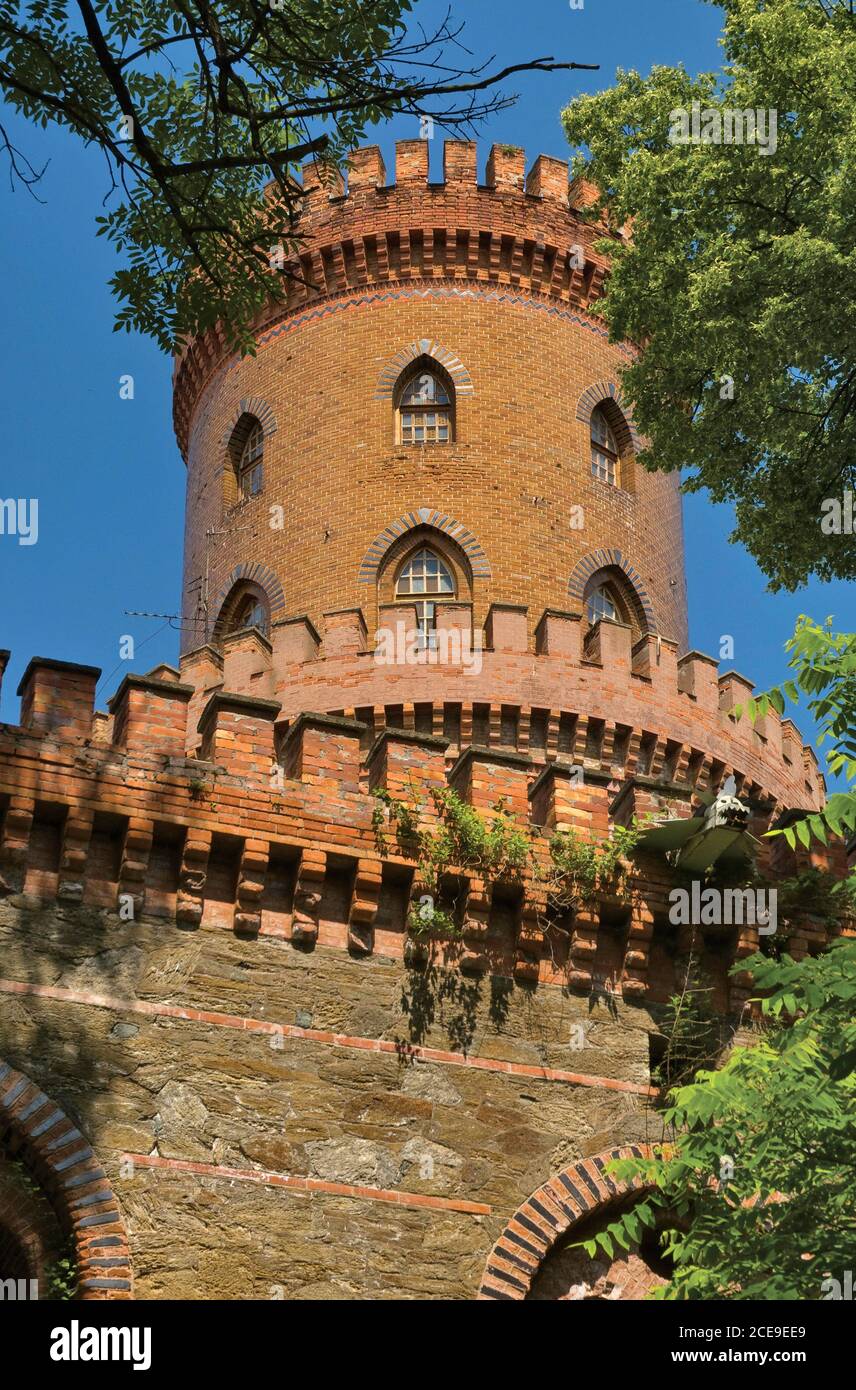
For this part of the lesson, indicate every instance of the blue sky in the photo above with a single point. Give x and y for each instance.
(107, 472)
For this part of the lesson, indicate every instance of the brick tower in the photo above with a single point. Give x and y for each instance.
(419, 551)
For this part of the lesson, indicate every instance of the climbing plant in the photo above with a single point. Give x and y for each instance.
(493, 846)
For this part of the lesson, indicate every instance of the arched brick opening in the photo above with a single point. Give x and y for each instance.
(562, 1206)
(607, 394)
(51, 1147)
(613, 561)
(245, 580)
(432, 352)
(422, 517)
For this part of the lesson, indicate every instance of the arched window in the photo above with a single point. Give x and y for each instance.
(423, 582)
(425, 409)
(604, 449)
(602, 604)
(246, 606)
(243, 473)
(251, 611)
(250, 463)
(610, 596)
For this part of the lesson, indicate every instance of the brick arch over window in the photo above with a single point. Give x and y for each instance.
(250, 576)
(424, 516)
(606, 393)
(424, 348)
(53, 1149)
(573, 1196)
(254, 406)
(605, 560)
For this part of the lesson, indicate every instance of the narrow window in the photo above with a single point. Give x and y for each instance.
(604, 450)
(250, 467)
(425, 411)
(423, 583)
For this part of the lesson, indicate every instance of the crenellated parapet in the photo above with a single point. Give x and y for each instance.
(269, 828)
(359, 231)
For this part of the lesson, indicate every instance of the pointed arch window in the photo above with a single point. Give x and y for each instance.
(250, 463)
(425, 410)
(602, 605)
(424, 582)
(604, 449)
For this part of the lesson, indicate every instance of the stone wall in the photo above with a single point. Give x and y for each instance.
(325, 1167)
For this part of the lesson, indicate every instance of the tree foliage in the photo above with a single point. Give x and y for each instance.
(756, 1193)
(739, 278)
(197, 103)
(824, 666)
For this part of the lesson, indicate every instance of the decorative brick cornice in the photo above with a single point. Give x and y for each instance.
(424, 516)
(574, 1195)
(426, 347)
(57, 1154)
(611, 559)
(596, 395)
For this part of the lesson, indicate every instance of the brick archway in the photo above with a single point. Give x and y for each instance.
(259, 409)
(572, 1196)
(424, 516)
(35, 1130)
(607, 391)
(253, 574)
(611, 559)
(425, 347)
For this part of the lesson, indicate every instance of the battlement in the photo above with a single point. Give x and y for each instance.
(593, 697)
(270, 827)
(524, 231)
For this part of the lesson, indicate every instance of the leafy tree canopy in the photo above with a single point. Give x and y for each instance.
(757, 1193)
(196, 104)
(739, 279)
(824, 667)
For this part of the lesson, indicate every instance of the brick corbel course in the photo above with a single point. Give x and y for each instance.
(15, 840)
(365, 902)
(33, 1128)
(76, 837)
(634, 982)
(583, 947)
(136, 851)
(151, 715)
(307, 896)
(58, 698)
(252, 873)
(192, 877)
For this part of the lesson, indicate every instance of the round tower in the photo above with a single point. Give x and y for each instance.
(437, 381)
